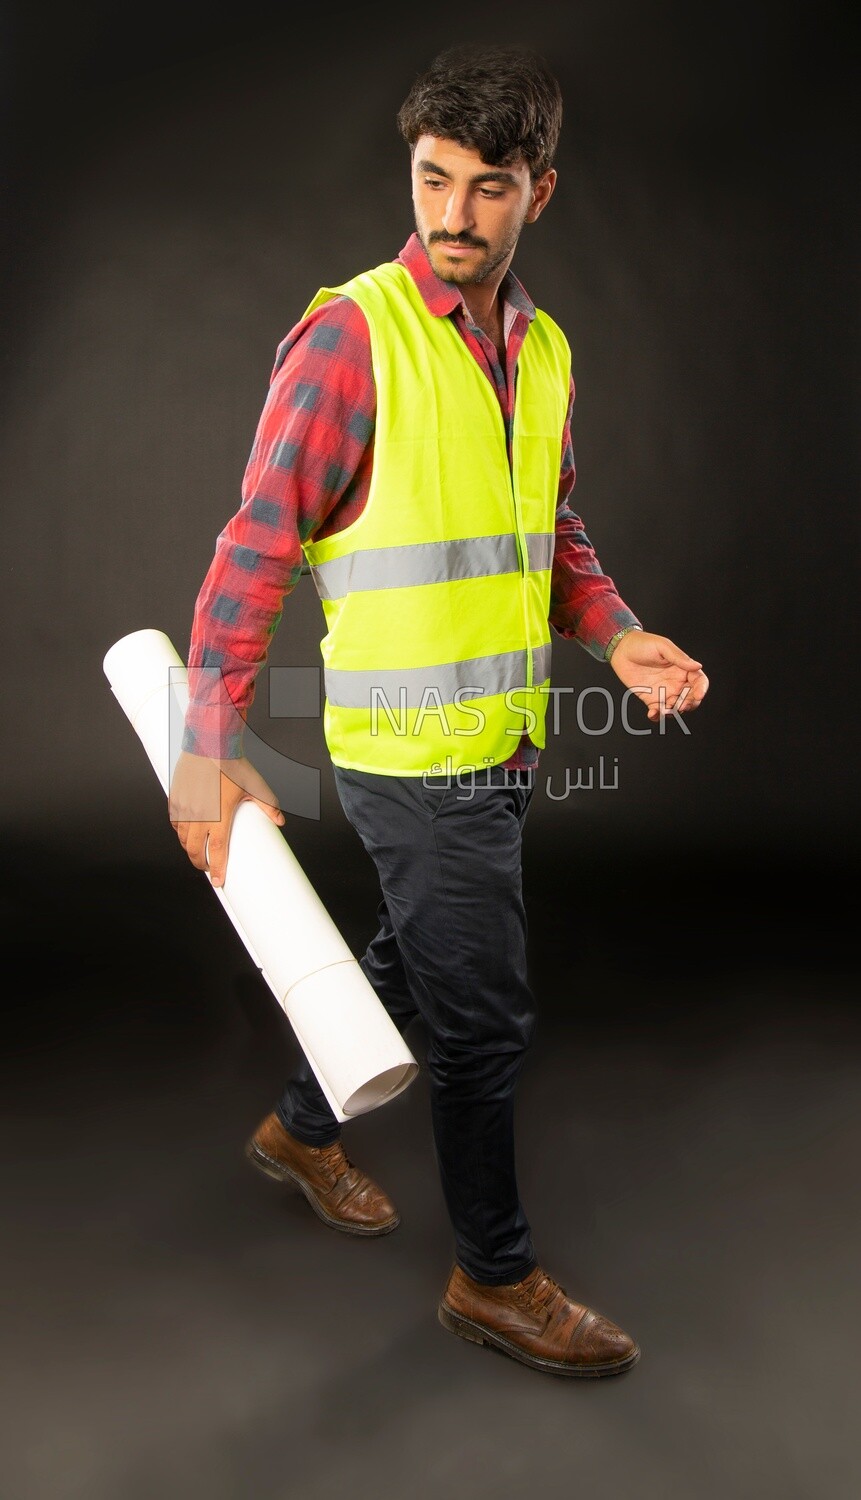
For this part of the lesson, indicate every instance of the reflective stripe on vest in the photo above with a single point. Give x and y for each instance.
(430, 562)
(449, 682)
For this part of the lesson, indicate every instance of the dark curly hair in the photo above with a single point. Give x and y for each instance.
(502, 101)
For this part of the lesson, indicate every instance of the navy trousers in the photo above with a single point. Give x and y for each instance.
(451, 947)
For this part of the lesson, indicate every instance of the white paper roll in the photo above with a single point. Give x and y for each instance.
(357, 1053)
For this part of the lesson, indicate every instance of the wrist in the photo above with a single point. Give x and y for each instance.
(615, 639)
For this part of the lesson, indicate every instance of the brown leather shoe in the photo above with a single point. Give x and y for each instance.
(337, 1191)
(534, 1321)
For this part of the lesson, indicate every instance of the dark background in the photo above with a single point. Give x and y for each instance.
(178, 183)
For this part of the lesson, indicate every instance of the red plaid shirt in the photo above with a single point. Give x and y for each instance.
(308, 475)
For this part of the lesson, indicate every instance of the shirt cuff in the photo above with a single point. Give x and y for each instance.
(213, 725)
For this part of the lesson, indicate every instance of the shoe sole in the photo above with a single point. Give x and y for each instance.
(466, 1329)
(279, 1173)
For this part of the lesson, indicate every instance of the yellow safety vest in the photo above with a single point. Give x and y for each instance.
(437, 652)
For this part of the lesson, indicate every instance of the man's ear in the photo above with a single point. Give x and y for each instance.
(542, 190)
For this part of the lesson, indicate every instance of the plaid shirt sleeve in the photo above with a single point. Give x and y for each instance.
(584, 604)
(308, 470)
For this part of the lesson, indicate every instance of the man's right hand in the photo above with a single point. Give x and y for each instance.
(204, 795)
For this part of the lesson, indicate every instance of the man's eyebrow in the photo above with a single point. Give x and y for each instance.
(496, 174)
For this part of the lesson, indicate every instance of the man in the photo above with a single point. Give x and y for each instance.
(415, 448)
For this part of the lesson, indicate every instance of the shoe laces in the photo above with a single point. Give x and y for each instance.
(540, 1292)
(334, 1159)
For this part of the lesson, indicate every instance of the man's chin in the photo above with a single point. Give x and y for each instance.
(454, 268)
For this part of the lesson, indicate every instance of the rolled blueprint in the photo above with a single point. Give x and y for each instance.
(357, 1054)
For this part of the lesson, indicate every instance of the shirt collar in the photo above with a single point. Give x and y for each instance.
(443, 297)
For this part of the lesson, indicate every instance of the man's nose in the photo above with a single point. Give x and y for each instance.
(458, 216)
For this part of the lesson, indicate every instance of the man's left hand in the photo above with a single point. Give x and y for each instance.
(659, 673)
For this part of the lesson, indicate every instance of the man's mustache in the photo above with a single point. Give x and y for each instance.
(439, 237)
